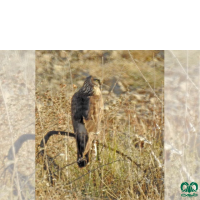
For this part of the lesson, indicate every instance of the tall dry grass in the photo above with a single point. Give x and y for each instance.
(132, 124)
(17, 117)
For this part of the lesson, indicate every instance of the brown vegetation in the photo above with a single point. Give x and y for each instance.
(133, 124)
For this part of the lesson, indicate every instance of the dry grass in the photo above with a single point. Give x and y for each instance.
(182, 138)
(133, 124)
(17, 86)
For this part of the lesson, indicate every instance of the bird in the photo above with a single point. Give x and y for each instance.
(86, 114)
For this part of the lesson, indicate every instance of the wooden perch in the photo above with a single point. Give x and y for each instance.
(50, 133)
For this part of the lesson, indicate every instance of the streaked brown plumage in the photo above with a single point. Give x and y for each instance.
(86, 110)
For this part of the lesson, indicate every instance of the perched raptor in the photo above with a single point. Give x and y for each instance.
(86, 110)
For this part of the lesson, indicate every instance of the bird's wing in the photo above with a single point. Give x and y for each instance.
(93, 119)
(79, 107)
(76, 111)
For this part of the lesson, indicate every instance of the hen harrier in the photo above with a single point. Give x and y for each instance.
(86, 110)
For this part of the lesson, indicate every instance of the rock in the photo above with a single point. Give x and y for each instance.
(106, 107)
(58, 68)
(139, 97)
(63, 54)
(47, 57)
(80, 83)
(153, 100)
(105, 92)
(122, 88)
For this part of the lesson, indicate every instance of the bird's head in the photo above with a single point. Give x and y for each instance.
(91, 86)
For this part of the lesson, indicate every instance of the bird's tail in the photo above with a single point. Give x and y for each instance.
(82, 162)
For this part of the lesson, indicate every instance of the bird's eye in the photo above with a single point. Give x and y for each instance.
(97, 81)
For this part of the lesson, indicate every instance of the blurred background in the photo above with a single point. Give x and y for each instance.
(115, 68)
(17, 121)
